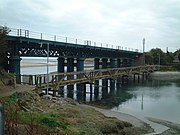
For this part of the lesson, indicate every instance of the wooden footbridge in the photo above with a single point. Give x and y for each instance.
(86, 76)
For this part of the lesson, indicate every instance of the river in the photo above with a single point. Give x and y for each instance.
(149, 98)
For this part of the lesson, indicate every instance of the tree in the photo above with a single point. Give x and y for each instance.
(158, 53)
(3, 46)
(148, 58)
(169, 57)
(177, 53)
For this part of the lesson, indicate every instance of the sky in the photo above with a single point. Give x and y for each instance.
(115, 22)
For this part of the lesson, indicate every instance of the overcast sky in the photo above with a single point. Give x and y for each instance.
(118, 22)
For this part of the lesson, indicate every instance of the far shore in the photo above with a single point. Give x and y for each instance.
(165, 75)
(26, 65)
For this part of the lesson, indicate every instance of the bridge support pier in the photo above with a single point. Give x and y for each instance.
(80, 64)
(60, 67)
(14, 67)
(112, 63)
(112, 82)
(96, 63)
(112, 86)
(118, 63)
(96, 83)
(70, 68)
(132, 62)
(80, 86)
(104, 63)
(104, 81)
(124, 62)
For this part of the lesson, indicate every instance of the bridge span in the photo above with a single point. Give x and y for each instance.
(69, 51)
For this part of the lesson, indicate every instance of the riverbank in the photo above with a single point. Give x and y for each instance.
(75, 115)
(65, 116)
(165, 75)
(154, 126)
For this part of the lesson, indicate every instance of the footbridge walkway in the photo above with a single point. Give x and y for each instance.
(87, 76)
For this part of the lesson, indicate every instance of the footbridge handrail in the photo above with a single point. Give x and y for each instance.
(66, 78)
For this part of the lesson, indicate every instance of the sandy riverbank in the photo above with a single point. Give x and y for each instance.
(154, 126)
(26, 65)
(165, 75)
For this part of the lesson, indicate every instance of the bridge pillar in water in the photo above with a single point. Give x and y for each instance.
(80, 64)
(112, 82)
(124, 62)
(112, 63)
(118, 63)
(96, 83)
(14, 67)
(112, 86)
(60, 67)
(104, 63)
(70, 64)
(80, 86)
(70, 68)
(104, 81)
(96, 63)
(132, 62)
(128, 62)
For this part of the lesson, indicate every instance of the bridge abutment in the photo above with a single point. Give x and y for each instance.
(14, 67)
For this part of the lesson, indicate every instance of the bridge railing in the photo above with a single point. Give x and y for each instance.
(84, 76)
(58, 38)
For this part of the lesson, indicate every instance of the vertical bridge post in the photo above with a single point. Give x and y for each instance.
(80, 86)
(70, 68)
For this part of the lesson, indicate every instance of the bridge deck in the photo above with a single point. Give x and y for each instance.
(33, 44)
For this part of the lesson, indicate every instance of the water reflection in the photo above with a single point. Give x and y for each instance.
(106, 92)
(153, 98)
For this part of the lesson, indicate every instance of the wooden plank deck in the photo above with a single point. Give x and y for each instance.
(87, 76)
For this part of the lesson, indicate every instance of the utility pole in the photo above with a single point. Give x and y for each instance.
(143, 51)
(159, 60)
(47, 68)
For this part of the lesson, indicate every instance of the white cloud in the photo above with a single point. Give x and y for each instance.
(124, 22)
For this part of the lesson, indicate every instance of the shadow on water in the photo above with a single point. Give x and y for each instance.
(108, 93)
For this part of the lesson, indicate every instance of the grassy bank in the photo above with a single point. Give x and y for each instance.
(27, 112)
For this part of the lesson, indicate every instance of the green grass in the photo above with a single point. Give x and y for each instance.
(69, 119)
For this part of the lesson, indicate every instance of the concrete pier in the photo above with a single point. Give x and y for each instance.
(70, 68)
(14, 67)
